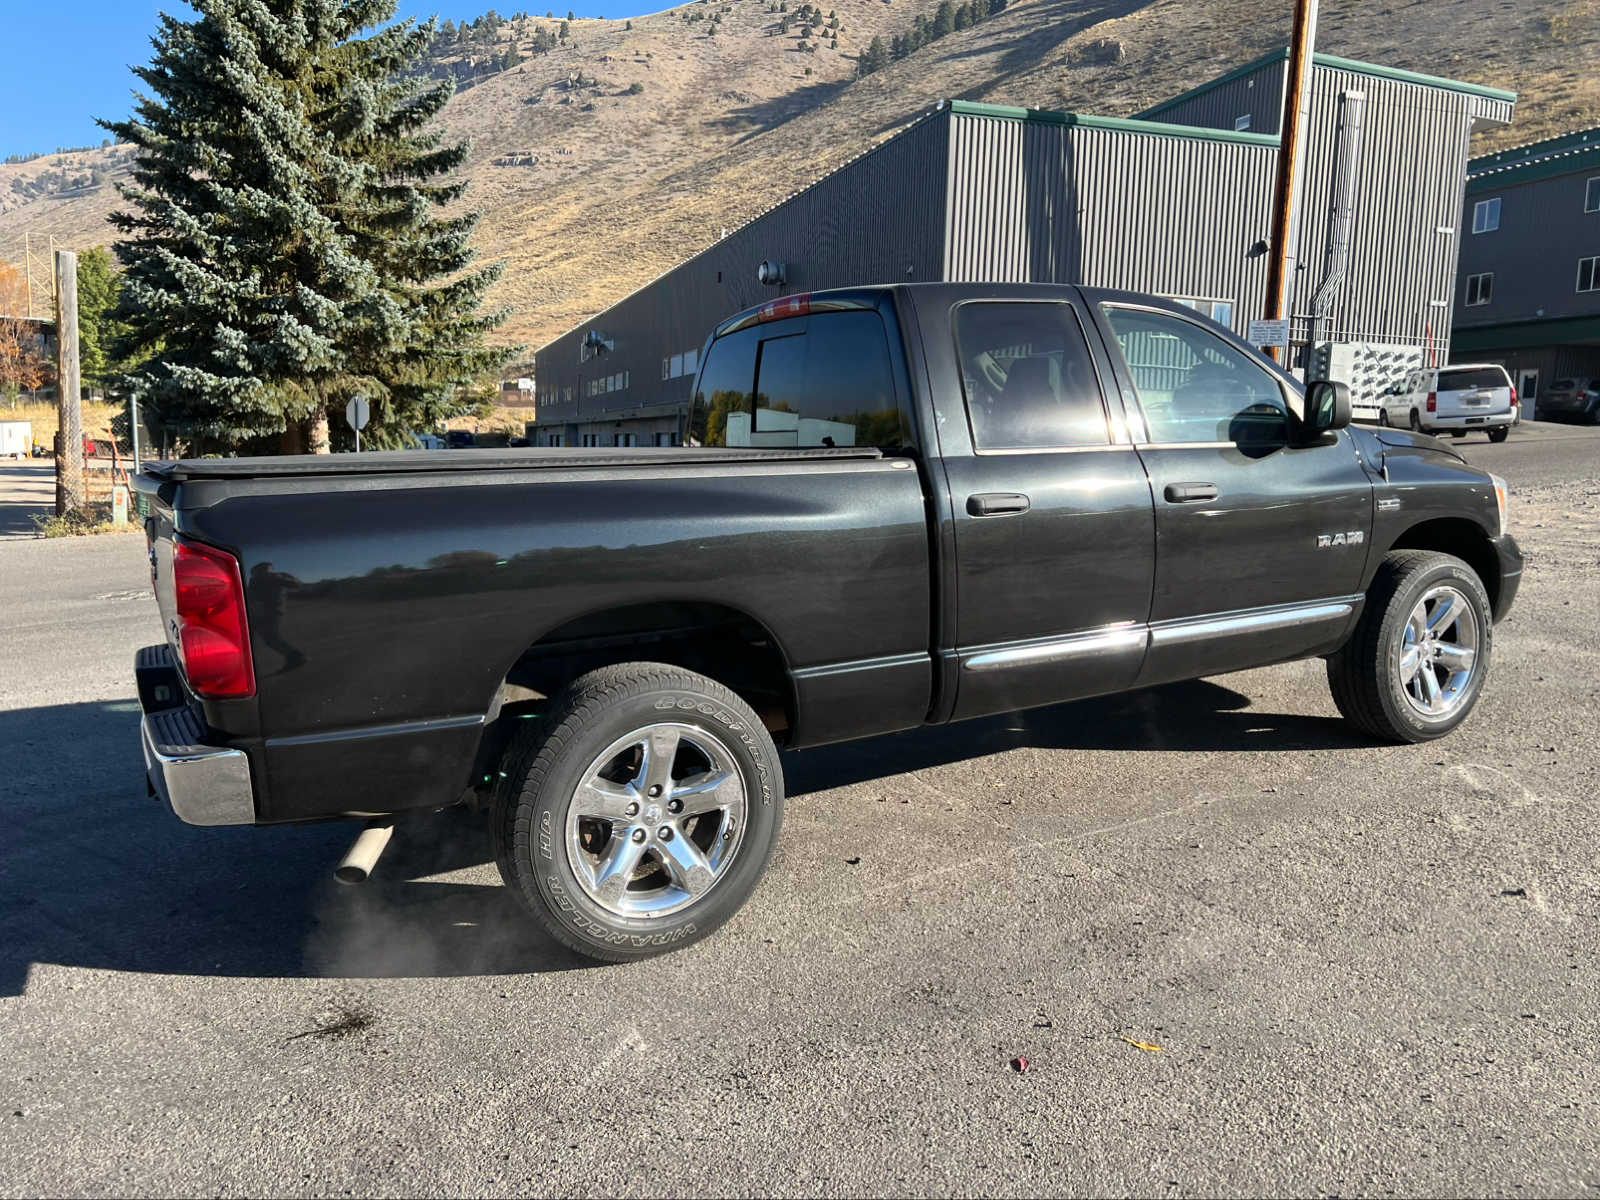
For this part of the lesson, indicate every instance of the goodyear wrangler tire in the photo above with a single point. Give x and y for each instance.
(642, 815)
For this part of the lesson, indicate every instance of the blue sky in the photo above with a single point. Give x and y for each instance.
(98, 40)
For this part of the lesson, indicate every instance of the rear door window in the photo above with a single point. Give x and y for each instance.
(1473, 380)
(821, 381)
(1030, 381)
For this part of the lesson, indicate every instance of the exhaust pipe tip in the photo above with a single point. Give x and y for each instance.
(358, 864)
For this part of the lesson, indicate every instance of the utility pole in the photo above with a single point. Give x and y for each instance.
(1291, 138)
(69, 395)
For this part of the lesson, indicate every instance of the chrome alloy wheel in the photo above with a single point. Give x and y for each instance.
(1439, 651)
(656, 821)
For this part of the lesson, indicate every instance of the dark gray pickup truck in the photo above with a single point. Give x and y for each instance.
(895, 506)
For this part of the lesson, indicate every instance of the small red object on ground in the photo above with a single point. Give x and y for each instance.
(1019, 1064)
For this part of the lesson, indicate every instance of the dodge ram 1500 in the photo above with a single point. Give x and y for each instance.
(894, 506)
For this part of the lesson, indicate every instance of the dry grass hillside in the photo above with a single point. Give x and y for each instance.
(590, 188)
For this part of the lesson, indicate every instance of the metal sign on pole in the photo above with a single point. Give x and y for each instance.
(1286, 195)
(356, 415)
(1270, 333)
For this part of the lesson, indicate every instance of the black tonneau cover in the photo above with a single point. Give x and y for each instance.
(384, 462)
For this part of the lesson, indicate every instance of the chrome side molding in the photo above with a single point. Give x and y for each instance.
(1119, 639)
(1191, 629)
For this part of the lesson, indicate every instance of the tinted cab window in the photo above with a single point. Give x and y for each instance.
(817, 381)
(1029, 379)
(1195, 387)
(1475, 379)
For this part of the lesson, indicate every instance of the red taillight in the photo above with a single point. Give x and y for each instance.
(1433, 401)
(213, 636)
(789, 306)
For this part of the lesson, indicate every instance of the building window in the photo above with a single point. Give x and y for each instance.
(680, 364)
(666, 439)
(1480, 289)
(1486, 216)
(1589, 274)
(1220, 311)
(1240, 124)
(1591, 195)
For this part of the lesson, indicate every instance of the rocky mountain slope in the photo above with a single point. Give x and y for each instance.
(632, 144)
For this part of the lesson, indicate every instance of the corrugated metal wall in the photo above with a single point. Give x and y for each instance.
(878, 219)
(1411, 177)
(1258, 93)
(1050, 203)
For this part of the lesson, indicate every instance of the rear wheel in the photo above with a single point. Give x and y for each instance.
(1416, 664)
(645, 814)
(1500, 434)
(1416, 421)
(1383, 417)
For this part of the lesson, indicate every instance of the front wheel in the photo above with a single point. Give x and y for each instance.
(1416, 664)
(1500, 434)
(645, 814)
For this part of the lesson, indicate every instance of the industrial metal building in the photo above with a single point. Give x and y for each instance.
(1175, 201)
(1529, 292)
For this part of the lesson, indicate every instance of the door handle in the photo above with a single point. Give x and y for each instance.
(1187, 493)
(998, 504)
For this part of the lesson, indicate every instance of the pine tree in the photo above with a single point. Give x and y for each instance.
(99, 287)
(286, 246)
(944, 19)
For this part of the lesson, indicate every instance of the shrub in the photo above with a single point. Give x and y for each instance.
(635, 89)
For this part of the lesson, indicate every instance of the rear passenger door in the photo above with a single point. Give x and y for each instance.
(1053, 530)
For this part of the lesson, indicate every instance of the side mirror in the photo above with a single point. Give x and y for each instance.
(1327, 406)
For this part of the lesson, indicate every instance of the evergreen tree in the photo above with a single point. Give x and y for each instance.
(963, 17)
(99, 287)
(944, 19)
(872, 58)
(286, 246)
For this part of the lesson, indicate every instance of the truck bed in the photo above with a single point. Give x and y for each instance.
(531, 458)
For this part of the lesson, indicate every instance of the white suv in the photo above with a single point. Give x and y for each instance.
(1454, 399)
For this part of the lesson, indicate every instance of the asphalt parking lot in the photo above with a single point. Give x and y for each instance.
(1245, 950)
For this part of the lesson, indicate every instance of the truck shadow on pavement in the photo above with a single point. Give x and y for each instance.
(94, 874)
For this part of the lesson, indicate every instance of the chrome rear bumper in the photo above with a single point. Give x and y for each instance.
(203, 785)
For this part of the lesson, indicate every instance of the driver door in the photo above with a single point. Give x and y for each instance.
(1260, 543)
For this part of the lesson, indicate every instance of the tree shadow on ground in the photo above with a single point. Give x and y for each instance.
(752, 120)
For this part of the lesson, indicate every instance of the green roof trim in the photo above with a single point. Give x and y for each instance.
(1524, 335)
(1042, 116)
(1513, 156)
(1571, 156)
(1438, 81)
(1249, 68)
(1333, 62)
